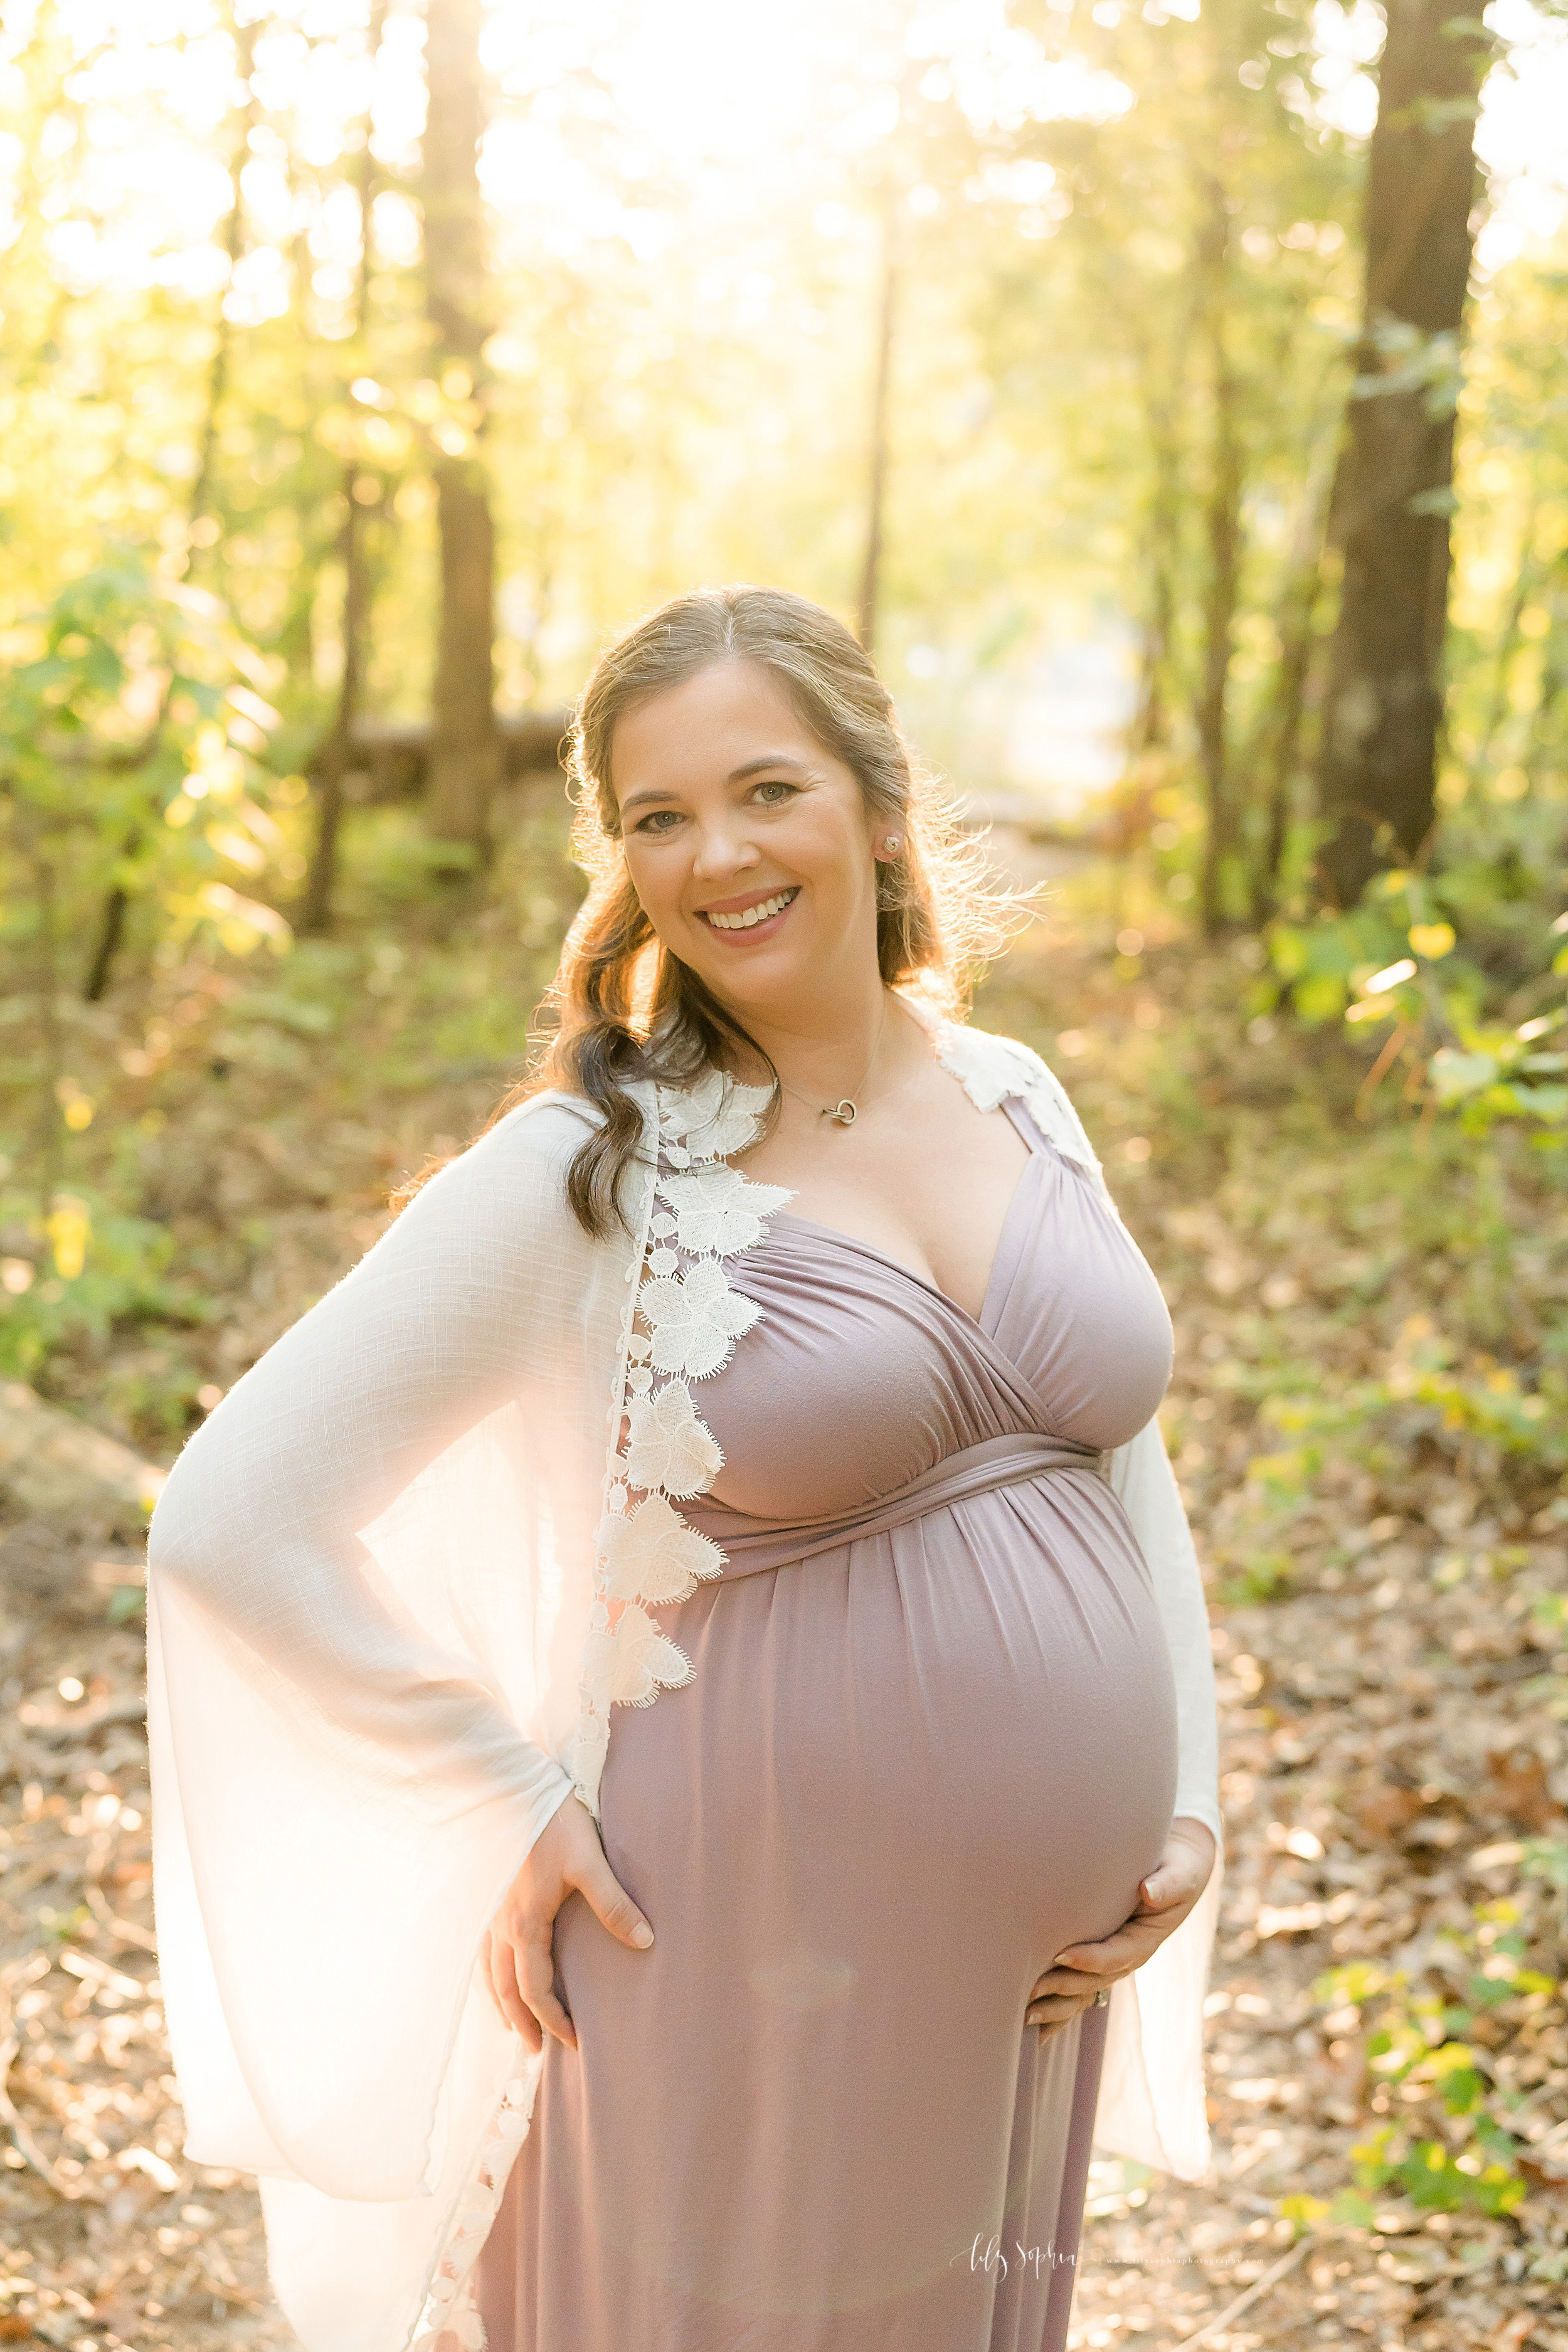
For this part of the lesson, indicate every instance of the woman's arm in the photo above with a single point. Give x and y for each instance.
(260, 1525)
(1141, 1474)
(344, 1778)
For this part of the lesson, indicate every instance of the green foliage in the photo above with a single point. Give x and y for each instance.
(1400, 959)
(130, 745)
(97, 1267)
(1449, 2149)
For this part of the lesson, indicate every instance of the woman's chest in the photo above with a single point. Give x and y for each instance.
(930, 1190)
(857, 1376)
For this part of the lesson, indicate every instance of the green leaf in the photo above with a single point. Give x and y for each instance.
(1456, 1076)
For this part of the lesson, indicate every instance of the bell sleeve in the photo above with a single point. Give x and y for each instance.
(1141, 1476)
(1151, 2104)
(355, 1627)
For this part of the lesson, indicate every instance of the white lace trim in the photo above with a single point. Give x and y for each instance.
(990, 1068)
(702, 1212)
(449, 2305)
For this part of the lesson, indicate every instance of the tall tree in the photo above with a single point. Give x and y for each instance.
(359, 492)
(1392, 492)
(465, 759)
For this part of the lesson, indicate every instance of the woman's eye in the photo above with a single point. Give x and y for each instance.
(660, 821)
(775, 796)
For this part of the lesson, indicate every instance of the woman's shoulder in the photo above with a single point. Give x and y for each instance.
(556, 1115)
(991, 1065)
(991, 1068)
(518, 1164)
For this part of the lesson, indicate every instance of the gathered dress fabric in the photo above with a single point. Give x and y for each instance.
(929, 1741)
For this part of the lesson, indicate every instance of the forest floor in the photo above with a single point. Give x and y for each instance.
(1363, 1310)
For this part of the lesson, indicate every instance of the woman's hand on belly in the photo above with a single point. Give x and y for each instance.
(566, 1858)
(1166, 1897)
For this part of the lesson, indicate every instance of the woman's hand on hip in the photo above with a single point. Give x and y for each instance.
(566, 1858)
(1166, 1897)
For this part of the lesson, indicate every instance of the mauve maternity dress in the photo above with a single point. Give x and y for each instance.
(931, 1740)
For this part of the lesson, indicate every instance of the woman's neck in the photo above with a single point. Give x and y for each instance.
(828, 1051)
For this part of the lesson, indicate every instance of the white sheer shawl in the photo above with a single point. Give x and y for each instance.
(378, 1661)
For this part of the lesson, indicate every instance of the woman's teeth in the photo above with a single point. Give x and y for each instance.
(757, 914)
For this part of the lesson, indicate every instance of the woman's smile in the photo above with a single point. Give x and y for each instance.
(745, 918)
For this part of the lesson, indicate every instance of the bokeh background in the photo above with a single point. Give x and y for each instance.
(1175, 399)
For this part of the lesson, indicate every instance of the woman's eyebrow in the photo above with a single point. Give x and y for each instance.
(769, 760)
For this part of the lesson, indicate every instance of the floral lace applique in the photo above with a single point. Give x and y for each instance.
(991, 1068)
(684, 1322)
(450, 2311)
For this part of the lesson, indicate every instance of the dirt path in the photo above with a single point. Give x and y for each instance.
(1390, 1678)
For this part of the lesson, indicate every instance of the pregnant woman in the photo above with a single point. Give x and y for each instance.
(730, 1491)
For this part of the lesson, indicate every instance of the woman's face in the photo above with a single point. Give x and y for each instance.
(748, 845)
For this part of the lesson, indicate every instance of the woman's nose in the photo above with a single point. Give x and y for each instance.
(723, 849)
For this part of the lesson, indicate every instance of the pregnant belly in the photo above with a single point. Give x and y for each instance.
(905, 1774)
(971, 1718)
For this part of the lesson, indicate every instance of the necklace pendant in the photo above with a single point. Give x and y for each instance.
(844, 1112)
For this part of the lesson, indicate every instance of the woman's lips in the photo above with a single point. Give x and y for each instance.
(746, 922)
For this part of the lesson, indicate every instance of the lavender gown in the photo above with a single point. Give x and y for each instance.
(931, 1740)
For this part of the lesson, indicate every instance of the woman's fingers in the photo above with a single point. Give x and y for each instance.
(519, 1951)
(1130, 1945)
(500, 1970)
(486, 1963)
(609, 1902)
(1176, 1881)
(533, 1960)
(1118, 1955)
(1056, 2009)
(1165, 1896)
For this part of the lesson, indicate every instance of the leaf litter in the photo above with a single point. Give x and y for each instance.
(1359, 1330)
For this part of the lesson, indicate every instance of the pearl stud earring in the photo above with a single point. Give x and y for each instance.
(894, 843)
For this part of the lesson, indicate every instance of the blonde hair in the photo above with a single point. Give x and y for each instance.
(624, 1007)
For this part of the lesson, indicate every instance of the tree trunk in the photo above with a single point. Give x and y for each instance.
(1393, 492)
(316, 914)
(1279, 747)
(465, 763)
(1222, 517)
(877, 486)
(111, 935)
(1297, 637)
(233, 242)
(1152, 724)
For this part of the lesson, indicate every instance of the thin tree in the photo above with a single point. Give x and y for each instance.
(1278, 751)
(1222, 522)
(1161, 547)
(1393, 492)
(465, 753)
(111, 935)
(877, 472)
(332, 763)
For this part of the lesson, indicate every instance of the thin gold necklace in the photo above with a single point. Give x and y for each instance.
(845, 1109)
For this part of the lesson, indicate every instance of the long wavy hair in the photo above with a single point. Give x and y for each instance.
(624, 1008)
